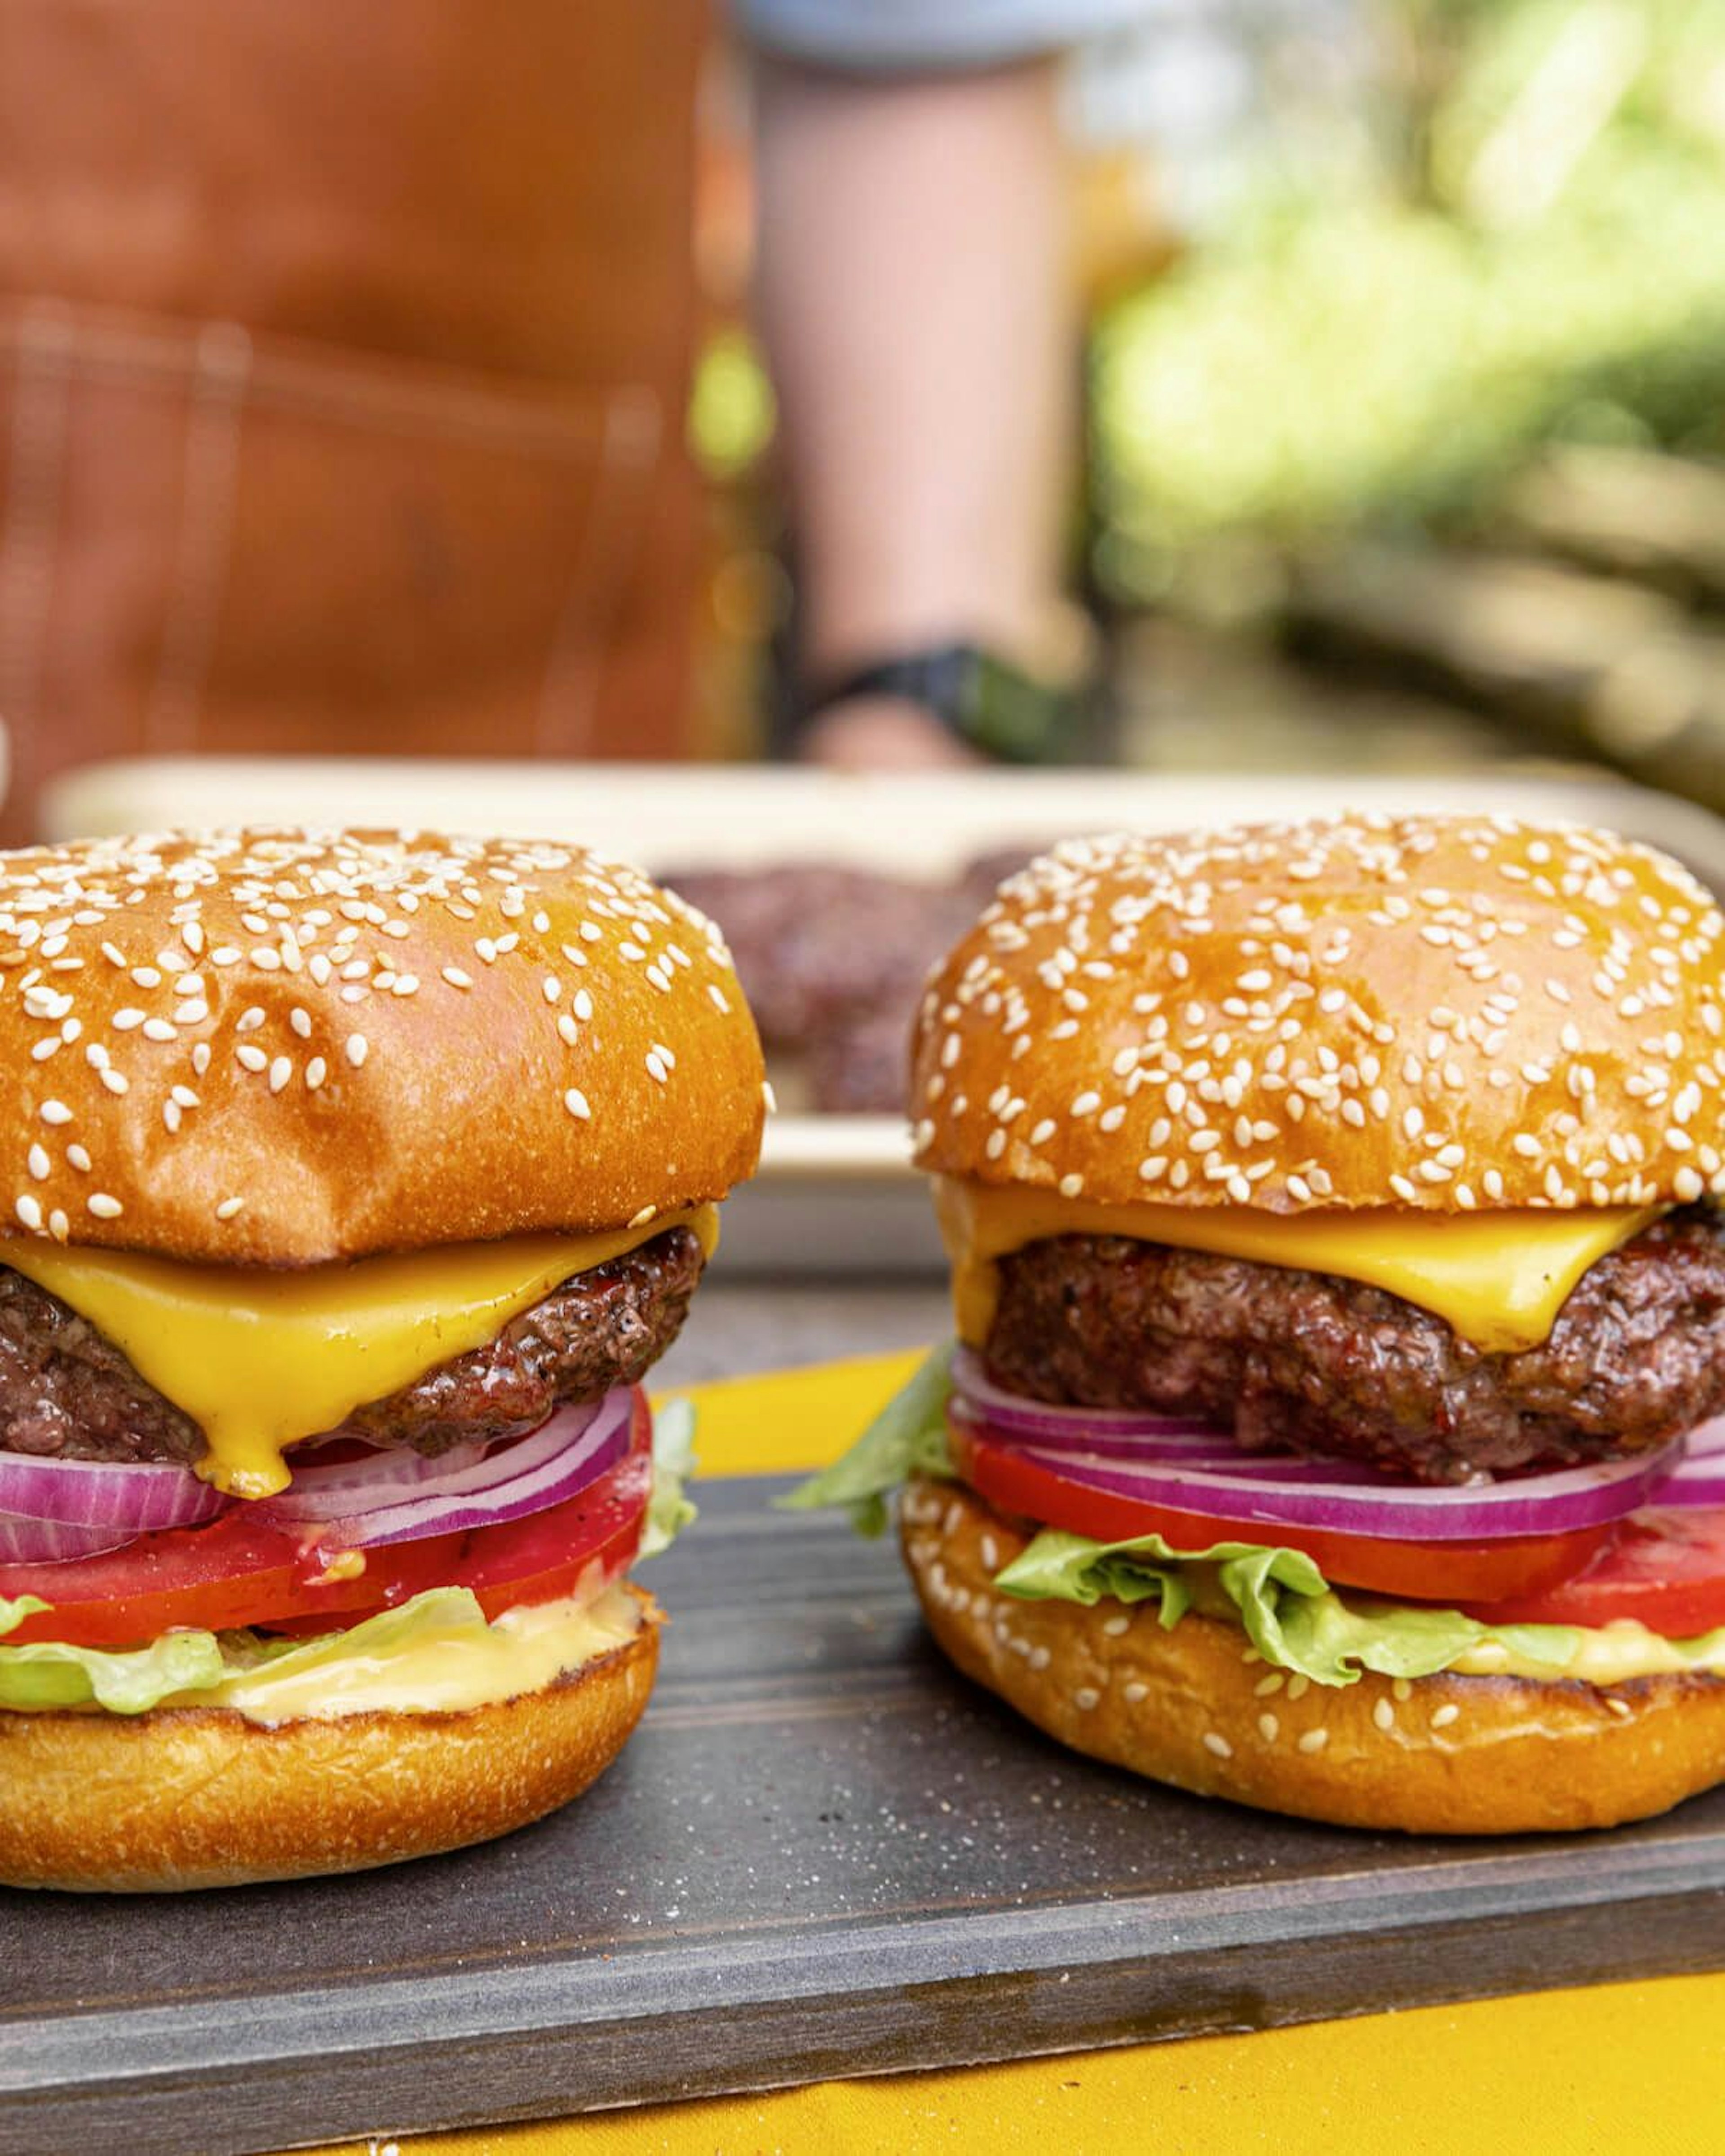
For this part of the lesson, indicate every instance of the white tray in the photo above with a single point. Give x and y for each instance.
(835, 1194)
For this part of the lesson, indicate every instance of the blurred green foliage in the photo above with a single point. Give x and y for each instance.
(1539, 253)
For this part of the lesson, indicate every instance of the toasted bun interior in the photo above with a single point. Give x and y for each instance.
(279, 1046)
(200, 1797)
(1196, 1707)
(1445, 1013)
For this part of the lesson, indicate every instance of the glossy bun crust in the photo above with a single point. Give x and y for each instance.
(200, 1797)
(279, 1047)
(1194, 1707)
(1437, 1013)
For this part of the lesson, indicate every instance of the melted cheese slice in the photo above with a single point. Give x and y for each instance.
(260, 1359)
(452, 1670)
(1496, 1279)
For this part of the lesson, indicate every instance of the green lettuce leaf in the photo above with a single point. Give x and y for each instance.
(439, 1610)
(13, 1614)
(1290, 1613)
(669, 1512)
(48, 1674)
(908, 1437)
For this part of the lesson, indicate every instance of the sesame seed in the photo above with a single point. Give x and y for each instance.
(229, 1207)
(1314, 1740)
(1442, 1717)
(1217, 1744)
(1383, 1715)
(357, 1049)
(1085, 1697)
(575, 1101)
(1135, 1693)
(1269, 1728)
(1117, 1627)
(102, 1206)
(28, 1210)
(456, 979)
(54, 1112)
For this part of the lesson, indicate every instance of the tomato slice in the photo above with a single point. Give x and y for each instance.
(1414, 1572)
(543, 1558)
(236, 1572)
(1664, 1568)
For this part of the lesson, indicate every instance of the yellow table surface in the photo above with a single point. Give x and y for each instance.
(1636, 2067)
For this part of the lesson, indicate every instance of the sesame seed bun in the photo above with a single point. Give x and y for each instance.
(1196, 1707)
(1441, 1014)
(200, 1797)
(278, 1046)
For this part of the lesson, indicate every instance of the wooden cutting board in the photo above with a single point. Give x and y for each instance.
(823, 1854)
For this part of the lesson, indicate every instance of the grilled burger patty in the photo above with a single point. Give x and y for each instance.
(68, 1393)
(1323, 1365)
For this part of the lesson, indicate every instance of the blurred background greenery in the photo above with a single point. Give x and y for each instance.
(1406, 360)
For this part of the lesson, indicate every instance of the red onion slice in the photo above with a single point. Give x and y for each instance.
(329, 1490)
(1193, 1466)
(1049, 1424)
(85, 1493)
(1274, 1493)
(564, 1456)
(52, 1541)
(1697, 1482)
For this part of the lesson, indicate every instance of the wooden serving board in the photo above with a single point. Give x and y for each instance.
(823, 1855)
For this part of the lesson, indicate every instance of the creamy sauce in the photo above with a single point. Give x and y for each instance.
(450, 1669)
(1610, 1654)
(1497, 1279)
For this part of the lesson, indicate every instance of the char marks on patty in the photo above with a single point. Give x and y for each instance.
(66, 1393)
(1313, 1363)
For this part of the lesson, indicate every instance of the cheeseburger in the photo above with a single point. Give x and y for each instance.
(1341, 1317)
(355, 1178)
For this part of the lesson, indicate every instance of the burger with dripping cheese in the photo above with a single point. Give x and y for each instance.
(357, 1179)
(1341, 1313)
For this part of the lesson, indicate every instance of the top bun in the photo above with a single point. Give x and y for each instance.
(282, 1047)
(1442, 1012)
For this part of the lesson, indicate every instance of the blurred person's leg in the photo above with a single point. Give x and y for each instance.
(343, 366)
(918, 305)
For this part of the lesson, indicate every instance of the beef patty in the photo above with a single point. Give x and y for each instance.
(1318, 1364)
(68, 1393)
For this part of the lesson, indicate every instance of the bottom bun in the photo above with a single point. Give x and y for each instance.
(201, 1797)
(1197, 1707)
